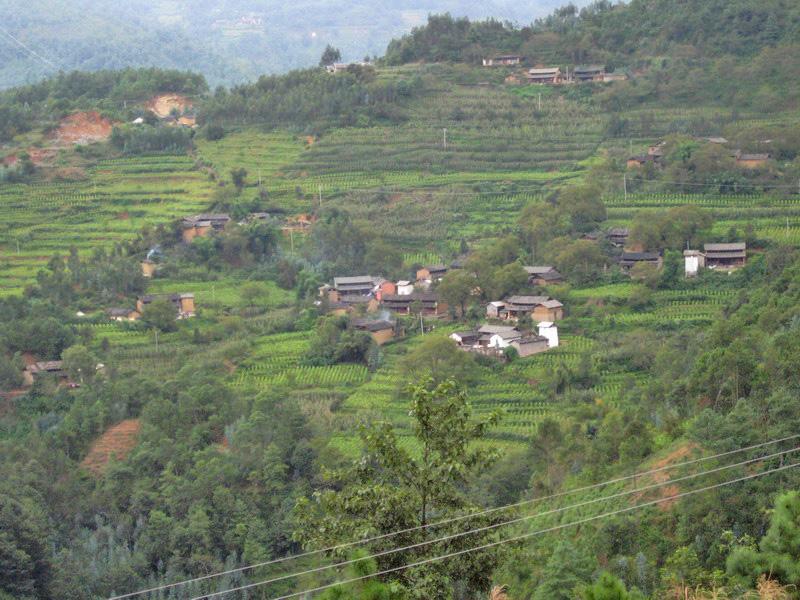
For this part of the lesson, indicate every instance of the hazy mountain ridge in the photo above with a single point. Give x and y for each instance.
(228, 41)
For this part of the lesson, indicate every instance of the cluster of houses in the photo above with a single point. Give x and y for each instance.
(715, 256)
(367, 294)
(553, 75)
(655, 156)
(494, 339)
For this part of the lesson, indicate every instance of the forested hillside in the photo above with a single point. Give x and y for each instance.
(419, 328)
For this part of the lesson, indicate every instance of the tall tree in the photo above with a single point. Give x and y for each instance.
(329, 56)
(393, 488)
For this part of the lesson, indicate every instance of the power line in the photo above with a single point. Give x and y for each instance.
(33, 53)
(509, 540)
(520, 519)
(470, 516)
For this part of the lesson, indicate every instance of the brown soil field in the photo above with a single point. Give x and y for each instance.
(83, 128)
(119, 440)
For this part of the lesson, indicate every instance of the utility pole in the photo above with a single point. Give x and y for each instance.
(540, 101)
(625, 185)
(156, 332)
(320, 196)
(291, 239)
(444, 138)
(421, 326)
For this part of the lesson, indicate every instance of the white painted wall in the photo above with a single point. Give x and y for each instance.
(549, 331)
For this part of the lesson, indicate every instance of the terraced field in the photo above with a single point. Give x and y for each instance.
(118, 198)
(772, 217)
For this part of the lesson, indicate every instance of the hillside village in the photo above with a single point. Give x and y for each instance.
(501, 279)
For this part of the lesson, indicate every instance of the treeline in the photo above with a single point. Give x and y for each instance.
(740, 53)
(608, 33)
(109, 91)
(311, 100)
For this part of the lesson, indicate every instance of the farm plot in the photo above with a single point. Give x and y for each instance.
(769, 217)
(120, 197)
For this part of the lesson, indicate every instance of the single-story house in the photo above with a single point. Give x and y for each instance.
(123, 314)
(502, 61)
(618, 236)
(340, 67)
(493, 309)
(530, 344)
(495, 338)
(404, 288)
(640, 160)
(202, 225)
(352, 301)
(431, 273)
(183, 303)
(628, 260)
(428, 303)
(148, 268)
(540, 308)
(751, 161)
(589, 73)
(543, 275)
(725, 256)
(381, 331)
(39, 369)
(545, 75)
(465, 338)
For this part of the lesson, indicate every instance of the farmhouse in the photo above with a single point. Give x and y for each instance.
(202, 225)
(628, 260)
(298, 224)
(431, 273)
(183, 303)
(589, 73)
(547, 75)
(725, 256)
(404, 288)
(540, 308)
(36, 370)
(544, 275)
(618, 236)
(751, 161)
(148, 268)
(502, 61)
(381, 331)
(123, 314)
(465, 338)
(340, 67)
(360, 285)
(492, 339)
(428, 303)
(640, 160)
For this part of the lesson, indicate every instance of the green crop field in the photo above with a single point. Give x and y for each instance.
(118, 198)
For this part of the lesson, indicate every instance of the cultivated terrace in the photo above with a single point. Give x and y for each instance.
(496, 264)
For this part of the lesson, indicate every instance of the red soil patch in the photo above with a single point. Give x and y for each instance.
(83, 128)
(162, 106)
(680, 454)
(119, 440)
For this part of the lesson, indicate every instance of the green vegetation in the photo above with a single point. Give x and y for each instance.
(262, 426)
